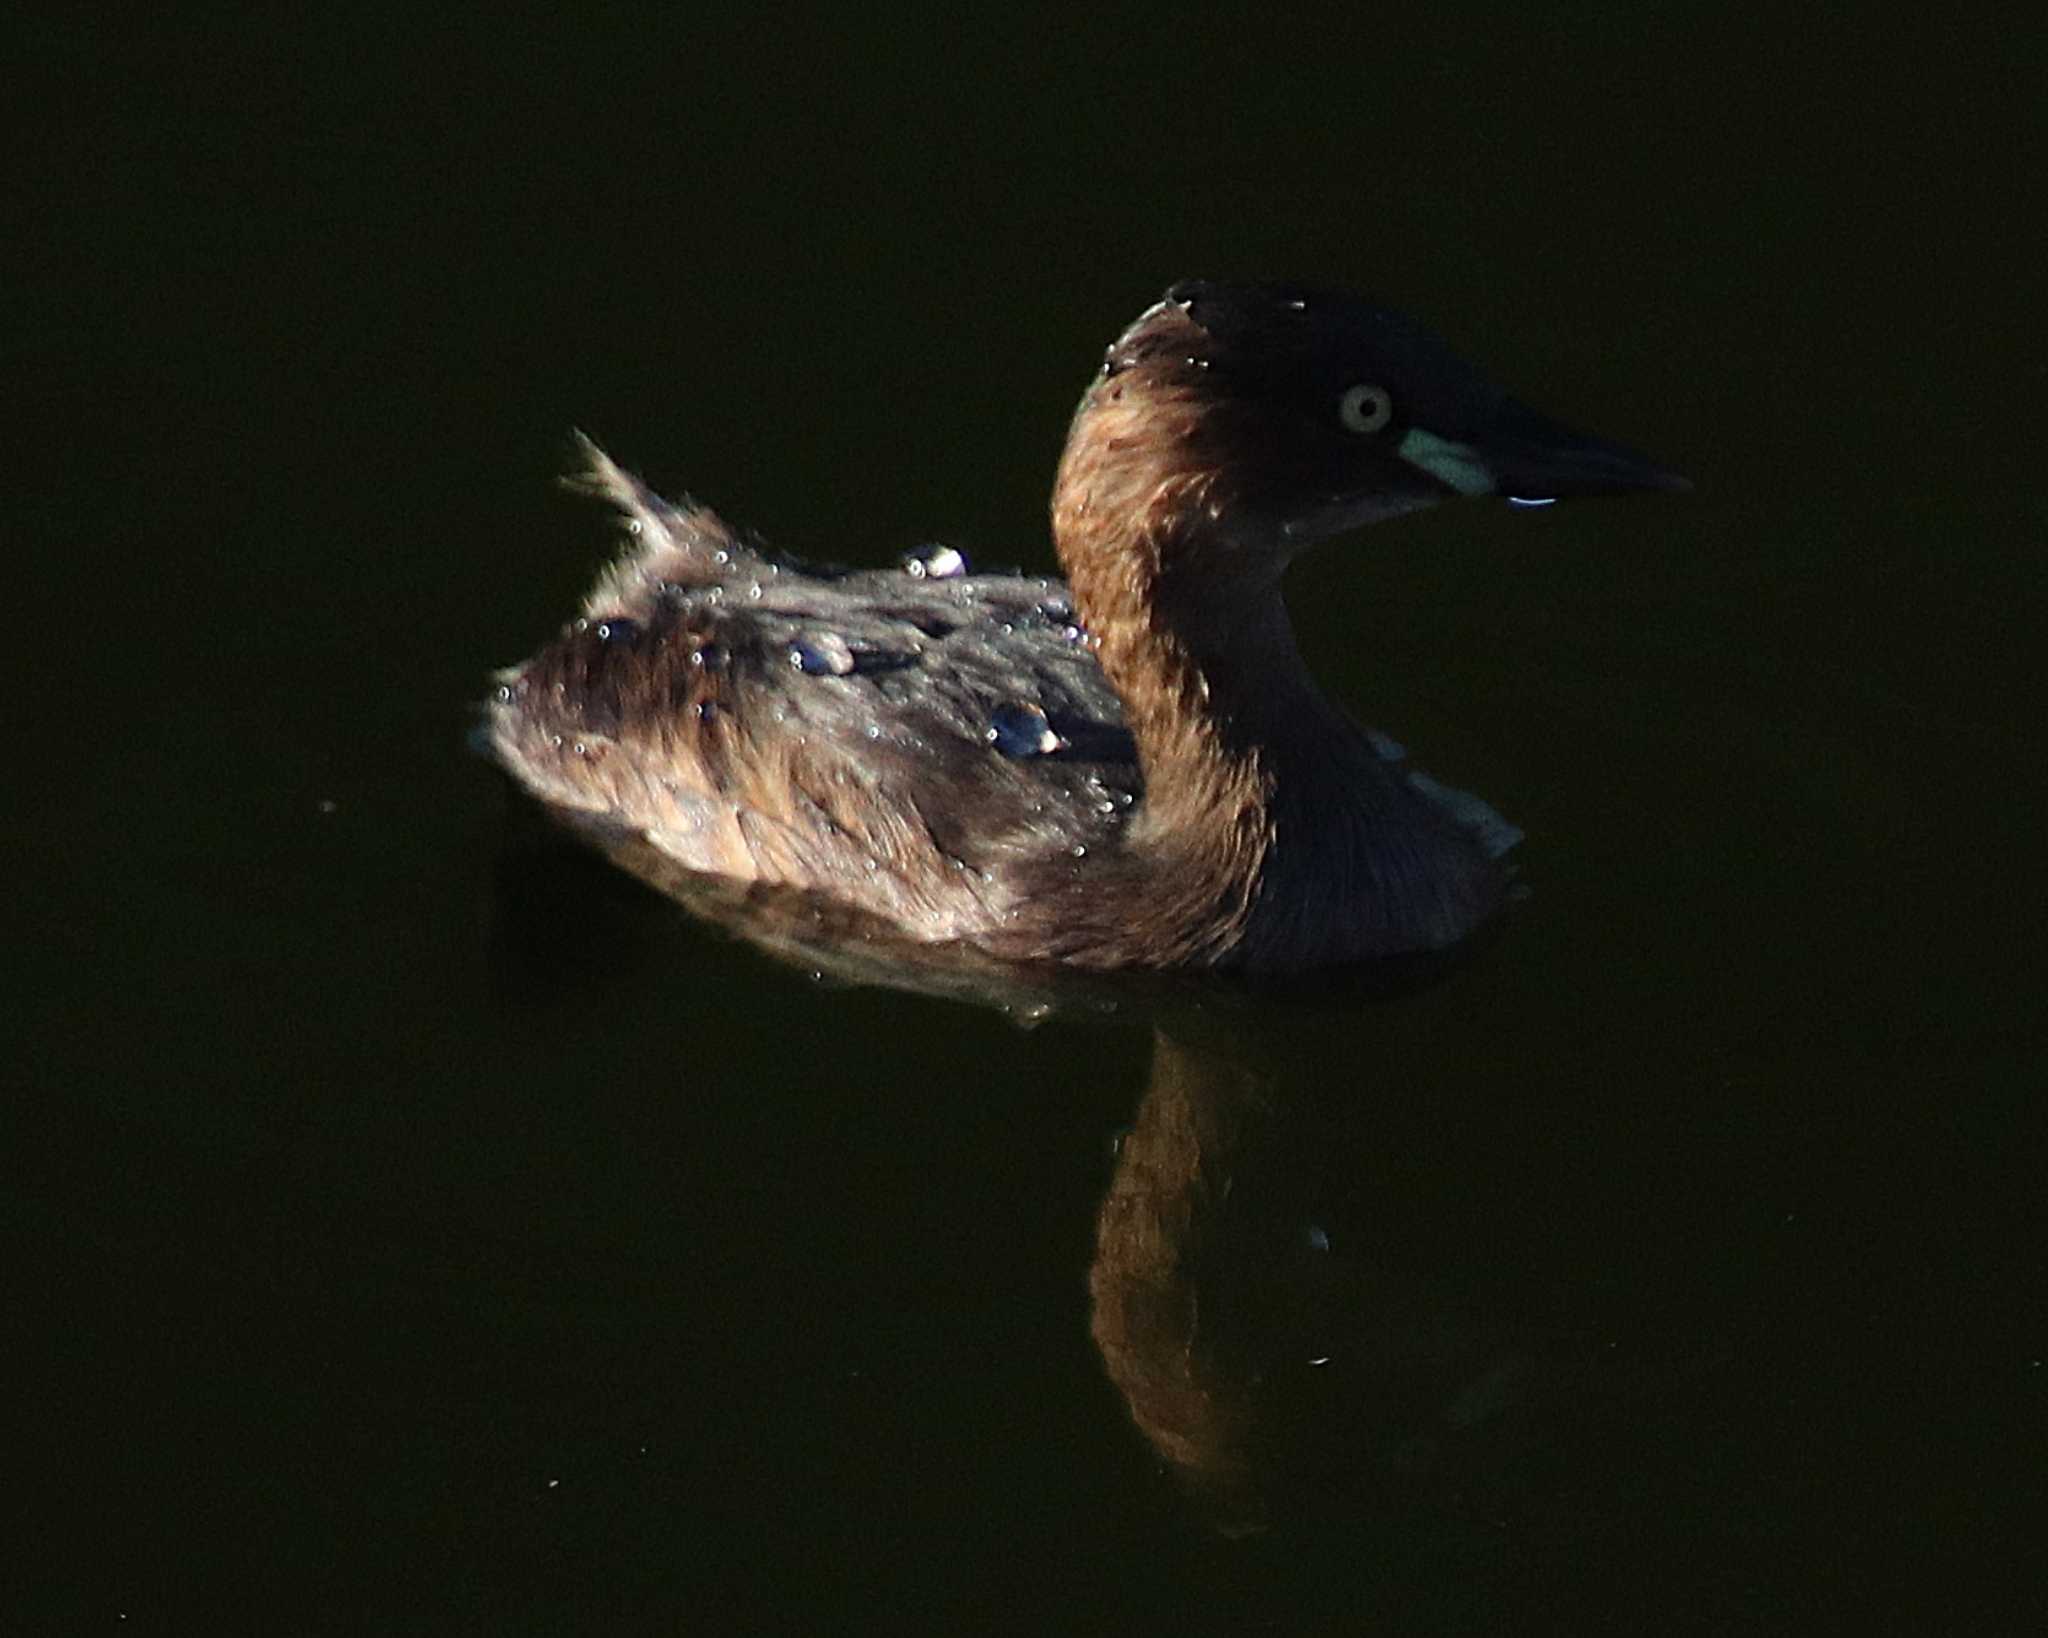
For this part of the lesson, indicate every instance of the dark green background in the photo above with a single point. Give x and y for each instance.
(415, 1225)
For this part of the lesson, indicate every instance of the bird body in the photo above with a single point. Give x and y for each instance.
(1128, 769)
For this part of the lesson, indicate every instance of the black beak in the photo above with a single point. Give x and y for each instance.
(1532, 457)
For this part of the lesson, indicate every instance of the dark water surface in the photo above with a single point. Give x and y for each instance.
(416, 1224)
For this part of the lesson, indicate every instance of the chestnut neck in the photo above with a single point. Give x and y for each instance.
(1183, 601)
(1270, 820)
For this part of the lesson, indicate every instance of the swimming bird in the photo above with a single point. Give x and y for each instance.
(1129, 768)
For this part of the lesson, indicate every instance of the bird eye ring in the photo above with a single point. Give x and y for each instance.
(1365, 408)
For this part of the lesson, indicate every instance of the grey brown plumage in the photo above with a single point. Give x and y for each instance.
(1132, 768)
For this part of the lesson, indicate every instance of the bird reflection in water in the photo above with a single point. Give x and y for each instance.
(1279, 1343)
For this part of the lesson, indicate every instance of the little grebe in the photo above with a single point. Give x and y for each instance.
(1130, 769)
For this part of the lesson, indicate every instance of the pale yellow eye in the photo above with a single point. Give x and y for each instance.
(1365, 408)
